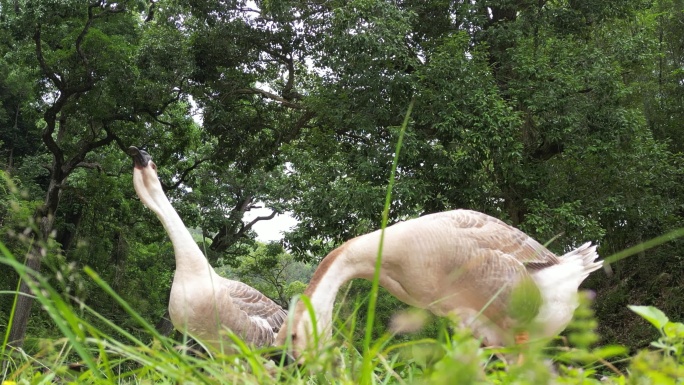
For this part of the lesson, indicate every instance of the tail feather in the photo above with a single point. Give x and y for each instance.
(587, 255)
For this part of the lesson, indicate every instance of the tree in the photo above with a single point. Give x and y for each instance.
(248, 73)
(524, 110)
(87, 72)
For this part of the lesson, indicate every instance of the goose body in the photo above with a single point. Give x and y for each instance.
(202, 303)
(462, 263)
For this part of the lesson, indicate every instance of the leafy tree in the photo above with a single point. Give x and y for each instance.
(246, 78)
(525, 110)
(91, 89)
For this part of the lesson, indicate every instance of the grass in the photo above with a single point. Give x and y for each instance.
(107, 359)
(110, 354)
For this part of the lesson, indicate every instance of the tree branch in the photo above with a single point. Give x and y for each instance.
(255, 220)
(183, 175)
(79, 39)
(269, 95)
(52, 75)
(288, 90)
(227, 235)
(85, 148)
(150, 11)
(93, 166)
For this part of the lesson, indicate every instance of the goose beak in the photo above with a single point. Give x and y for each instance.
(281, 356)
(140, 157)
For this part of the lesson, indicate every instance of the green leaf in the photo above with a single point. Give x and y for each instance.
(674, 329)
(651, 314)
(610, 351)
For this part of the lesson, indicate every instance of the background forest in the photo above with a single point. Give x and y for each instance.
(562, 118)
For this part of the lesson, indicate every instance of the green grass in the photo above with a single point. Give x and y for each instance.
(109, 358)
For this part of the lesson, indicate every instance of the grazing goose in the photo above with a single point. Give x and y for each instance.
(503, 284)
(202, 303)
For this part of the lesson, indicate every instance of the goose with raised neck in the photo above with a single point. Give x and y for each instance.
(202, 303)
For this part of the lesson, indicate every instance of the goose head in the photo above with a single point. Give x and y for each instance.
(146, 180)
(298, 337)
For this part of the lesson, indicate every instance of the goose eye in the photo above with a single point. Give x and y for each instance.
(154, 166)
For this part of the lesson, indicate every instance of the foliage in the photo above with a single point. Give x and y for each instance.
(664, 366)
(271, 270)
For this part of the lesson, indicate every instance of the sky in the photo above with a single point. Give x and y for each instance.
(270, 230)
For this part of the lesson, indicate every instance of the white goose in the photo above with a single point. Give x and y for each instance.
(202, 303)
(457, 262)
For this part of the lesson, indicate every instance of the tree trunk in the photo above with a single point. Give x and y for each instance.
(23, 310)
(44, 220)
(66, 235)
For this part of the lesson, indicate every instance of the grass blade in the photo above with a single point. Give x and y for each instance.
(60, 311)
(366, 368)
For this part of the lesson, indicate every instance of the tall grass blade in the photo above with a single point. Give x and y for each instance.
(137, 317)
(5, 340)
(366, 368)
(60, 311)
(141, 321)
(671, 236)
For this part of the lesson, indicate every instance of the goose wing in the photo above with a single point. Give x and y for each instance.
(259, 308)
(500, 284)
(493, 266)
(252, 315)
(490, 233)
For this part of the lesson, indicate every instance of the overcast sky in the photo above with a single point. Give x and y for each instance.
(270, 230)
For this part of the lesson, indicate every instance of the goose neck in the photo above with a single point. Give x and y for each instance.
(189, 256)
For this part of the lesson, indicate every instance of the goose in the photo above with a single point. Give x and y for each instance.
(494, 278)
(202, 303)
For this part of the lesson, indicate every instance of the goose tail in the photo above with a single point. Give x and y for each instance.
(585, 256)
(558, 285)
